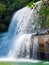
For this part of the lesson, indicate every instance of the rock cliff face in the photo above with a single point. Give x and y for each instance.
(43, 41)
(43, 46)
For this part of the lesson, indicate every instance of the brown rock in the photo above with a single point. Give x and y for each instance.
(40, 40)
(47, 41)
(41, 49)
(41, 44)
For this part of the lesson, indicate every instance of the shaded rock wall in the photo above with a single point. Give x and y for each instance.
(43, 46)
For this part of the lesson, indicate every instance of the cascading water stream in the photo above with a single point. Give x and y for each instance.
(25, 19)
(18, 38)
(20, 49)
(35, 47)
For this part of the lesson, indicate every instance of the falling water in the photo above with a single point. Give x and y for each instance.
(21, 47)
(24, 21)
(16, 42)
(35, 47)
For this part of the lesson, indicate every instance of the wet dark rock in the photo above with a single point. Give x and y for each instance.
(41, 56)
(43, 46)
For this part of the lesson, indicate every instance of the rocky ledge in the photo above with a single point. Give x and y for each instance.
(43, 45)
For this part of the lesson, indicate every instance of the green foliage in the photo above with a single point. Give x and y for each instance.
(7, 8)
(2, 8)
(47, 21)
(30, 4)
(44, 15)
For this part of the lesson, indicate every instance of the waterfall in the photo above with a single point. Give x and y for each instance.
(17, 40)
(21, 47)
(24, 22)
